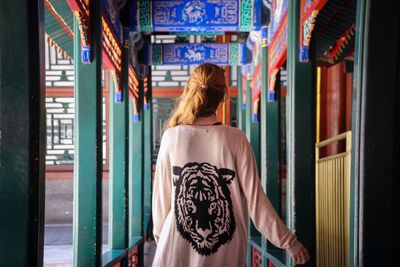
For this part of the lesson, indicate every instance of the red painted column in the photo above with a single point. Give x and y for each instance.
(333, 105)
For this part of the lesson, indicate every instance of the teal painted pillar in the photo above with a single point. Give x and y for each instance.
(118, 181)
(147, 153)
(253, 135)
(252, 126)
(241, 112)
(273, 148)
(270, 143)
(300, 138)
(248, 110)
(88, 161)
(22, 133)
(136, 169)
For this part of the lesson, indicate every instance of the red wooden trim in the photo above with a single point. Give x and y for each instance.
(256, 82)
(233, 92)
(167, 92)
(67, 91)
(59, 92)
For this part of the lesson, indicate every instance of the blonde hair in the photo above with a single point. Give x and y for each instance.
(203, 93)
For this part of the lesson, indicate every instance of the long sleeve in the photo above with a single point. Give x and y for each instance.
(260, 208)
(161, 191)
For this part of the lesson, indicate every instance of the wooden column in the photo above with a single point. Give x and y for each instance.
(118, 181)
(148, 155)
(240, 111)
(22, 133)
(300, 138)
(136, 170)
(87, 227)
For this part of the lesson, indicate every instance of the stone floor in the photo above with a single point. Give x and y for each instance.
(58, 246)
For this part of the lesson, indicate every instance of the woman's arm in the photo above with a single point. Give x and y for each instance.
(260, 208)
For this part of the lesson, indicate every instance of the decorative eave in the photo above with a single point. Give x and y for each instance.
(277, 53)
(58, 27)
(341, 48)
(309, 10)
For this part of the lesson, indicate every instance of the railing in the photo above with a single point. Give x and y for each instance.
(333, 204)
(130, 257)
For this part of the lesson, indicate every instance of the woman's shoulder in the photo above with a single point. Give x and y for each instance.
(234, 132)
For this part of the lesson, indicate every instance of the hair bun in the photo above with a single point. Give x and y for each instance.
(203, 86)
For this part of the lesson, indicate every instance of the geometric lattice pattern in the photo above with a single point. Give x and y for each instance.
(60, 131)
(59, 70)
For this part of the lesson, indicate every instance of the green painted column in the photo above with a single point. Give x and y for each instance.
(253, 135)
(273, 148)
(270, 143)
(88, 161)
(118, 181)
(241, 113)
(300, 138)
(136, 158)
(147, 153)
(136, 170)
(22, 133)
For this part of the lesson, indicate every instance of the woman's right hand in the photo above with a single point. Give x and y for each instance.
(301, 257)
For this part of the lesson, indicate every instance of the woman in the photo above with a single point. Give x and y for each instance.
(206, 184)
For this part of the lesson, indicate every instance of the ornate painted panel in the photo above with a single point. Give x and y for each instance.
(279, 9)
(193, 16)
(197, 53)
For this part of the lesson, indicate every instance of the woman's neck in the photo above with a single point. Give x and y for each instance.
(208, 120)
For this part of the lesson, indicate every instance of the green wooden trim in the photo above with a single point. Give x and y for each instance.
(118, 181)
(300, 138)
(22, 133)
(87, 230)
(147, 153)
(114, 256)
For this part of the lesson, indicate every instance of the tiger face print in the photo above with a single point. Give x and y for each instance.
(203, 206)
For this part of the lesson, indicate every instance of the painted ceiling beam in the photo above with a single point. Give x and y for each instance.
(195, 16)
(223, 54)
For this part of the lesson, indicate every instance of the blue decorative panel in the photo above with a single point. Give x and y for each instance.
(193, 16)
(279, 8)
(194, 54)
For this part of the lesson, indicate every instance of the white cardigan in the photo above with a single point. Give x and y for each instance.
(206, 185)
